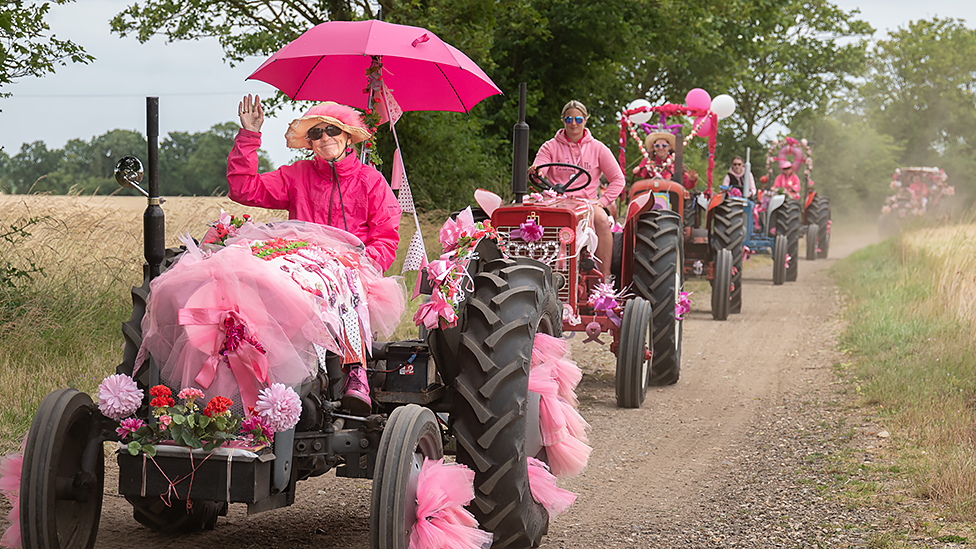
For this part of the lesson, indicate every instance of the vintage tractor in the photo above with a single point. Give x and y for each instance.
(815, 216)
(713, 225)
(463, 386)
(645, 331)
(920, 193)
(776, 229)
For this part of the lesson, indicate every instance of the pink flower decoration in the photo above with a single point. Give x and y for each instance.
(190, 393)
(257, 422)
(119, 396)
(279, 406)
(682, 306)
(165, 421)
(431, 313)
(453, 230)
(129, 426)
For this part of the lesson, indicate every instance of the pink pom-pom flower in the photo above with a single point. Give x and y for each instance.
(129, 425)
(279, 406)
(119, 396)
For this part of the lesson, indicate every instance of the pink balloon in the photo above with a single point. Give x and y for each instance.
(698, 99)
(706, 128)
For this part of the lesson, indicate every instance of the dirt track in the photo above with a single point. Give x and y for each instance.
(659, 465)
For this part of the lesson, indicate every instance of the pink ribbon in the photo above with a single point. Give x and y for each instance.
(246, 360)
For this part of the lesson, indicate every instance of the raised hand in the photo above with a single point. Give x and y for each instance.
(251, 113)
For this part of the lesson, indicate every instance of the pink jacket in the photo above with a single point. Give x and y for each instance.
(792, 184)
(305, 188)
(591, 155)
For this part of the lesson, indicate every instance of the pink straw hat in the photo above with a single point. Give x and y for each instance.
(783, 164)
(330, 112)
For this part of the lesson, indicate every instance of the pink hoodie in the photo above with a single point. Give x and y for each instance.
(305, 188)
(591, 155)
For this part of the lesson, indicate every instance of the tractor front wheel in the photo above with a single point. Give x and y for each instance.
(721, 285)
(812, 234)
(779, 260)
(633, 362)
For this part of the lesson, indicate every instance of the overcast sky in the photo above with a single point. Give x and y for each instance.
(197, 90)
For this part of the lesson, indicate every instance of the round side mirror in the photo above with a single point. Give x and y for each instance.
(128, 172)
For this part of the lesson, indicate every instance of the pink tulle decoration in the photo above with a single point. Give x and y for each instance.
(568, 457)
(10, 468)
(542, 484)
(279, 406)
(452, 230)
(11, 538)
(438, 312)
(443, 489)
(119, 396)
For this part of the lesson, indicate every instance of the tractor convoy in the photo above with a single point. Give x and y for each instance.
(463, 388)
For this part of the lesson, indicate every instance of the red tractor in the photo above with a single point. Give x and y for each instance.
(713, 225)
(645, 330)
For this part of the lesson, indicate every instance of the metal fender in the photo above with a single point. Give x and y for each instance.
(637, 204)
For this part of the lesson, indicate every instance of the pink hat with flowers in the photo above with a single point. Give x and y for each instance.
(330, 112)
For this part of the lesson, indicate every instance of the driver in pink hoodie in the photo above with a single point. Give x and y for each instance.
(574, 144)
(333, 188)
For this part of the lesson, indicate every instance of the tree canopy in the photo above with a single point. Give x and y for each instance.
(25, 47)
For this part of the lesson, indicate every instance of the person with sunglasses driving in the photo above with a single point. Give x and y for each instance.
(332, 188)
(737, 178)
(661, 145)
(574, 144)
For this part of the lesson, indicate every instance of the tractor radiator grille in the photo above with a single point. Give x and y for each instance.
(546, 251)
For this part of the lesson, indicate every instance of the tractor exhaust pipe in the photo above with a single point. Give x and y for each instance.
(153, 220)
(520, 156)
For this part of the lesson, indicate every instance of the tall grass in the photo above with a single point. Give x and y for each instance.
(63, 328)
(910, 333)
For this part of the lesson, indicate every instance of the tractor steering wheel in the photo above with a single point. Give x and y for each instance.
(541, 183)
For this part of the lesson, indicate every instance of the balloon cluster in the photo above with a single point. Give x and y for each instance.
(697, 99)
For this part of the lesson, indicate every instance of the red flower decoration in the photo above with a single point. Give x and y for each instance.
(162, 401)
(217, 405)
(160, 391)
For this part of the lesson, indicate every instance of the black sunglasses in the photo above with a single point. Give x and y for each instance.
(571, 119)
(315, 134)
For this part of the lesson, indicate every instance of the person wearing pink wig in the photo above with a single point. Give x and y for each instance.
(332, 188)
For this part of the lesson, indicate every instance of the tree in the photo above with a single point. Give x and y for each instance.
(25, 50)
(921, 90)
(28, 169)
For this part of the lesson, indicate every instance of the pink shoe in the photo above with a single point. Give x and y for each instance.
(355, 393)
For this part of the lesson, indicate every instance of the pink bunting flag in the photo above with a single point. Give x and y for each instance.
(399, 177)
(392, 110)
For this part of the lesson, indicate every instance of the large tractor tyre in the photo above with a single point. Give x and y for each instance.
(411, 436)
(634, 357)
(722, 285)
(61, 502)
(823, 226)
(812, 234)
(132, 328)
(788, 224)
(779, 260)
(513, 300)
(729, 232)
(658, 278)
(153, 513)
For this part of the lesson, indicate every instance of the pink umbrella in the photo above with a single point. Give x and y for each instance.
(330, 62)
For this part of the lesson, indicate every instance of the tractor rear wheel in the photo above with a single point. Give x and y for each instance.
(788, 225)
(812, 233)
(411, 436)
(633, 363)
(823, 224)
(60, 502)
(729, 232)
(721, 285)
(658, 277)
(487, 358)
(779, 260)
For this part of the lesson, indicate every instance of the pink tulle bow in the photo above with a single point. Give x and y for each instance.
(528, 231)
(10, 470)
(542, 484)
(244, 354)
(443, 489)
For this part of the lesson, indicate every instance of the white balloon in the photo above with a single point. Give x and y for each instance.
(723, 106)
(641, 117)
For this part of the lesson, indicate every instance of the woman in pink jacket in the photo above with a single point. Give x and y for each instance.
(787, 180)
(333, 188)
(574, 144)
